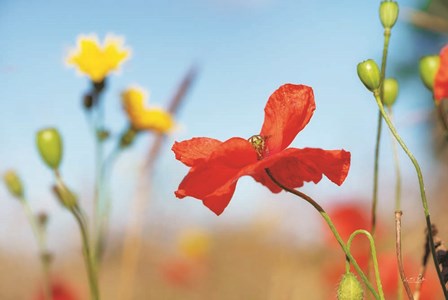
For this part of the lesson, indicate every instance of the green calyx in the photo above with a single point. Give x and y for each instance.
(429, 65)
(49, 144)
(369, 74)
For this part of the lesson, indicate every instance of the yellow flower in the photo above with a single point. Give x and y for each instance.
(143, 118)
(95, 60)
(194, 243)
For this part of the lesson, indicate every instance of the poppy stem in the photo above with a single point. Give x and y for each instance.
(421, 185)
(333, 230)
(373, 254)
(404, 281)
(387, 33)
(398, 214)
(375, 174)
(88, 254)
(39, 234)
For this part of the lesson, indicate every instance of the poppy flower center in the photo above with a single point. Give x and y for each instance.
(257, 141)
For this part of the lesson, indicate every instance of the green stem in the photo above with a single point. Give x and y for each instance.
(421, 185)
(39, 234)
(333, 230)
(398, 214)
(387, 34)
(397, 168)
(373, 254)
(105, 204)
(375, 173)
(88, 255)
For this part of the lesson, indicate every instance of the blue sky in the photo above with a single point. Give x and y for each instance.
(244, 50)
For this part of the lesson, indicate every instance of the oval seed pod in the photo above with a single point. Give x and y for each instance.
(388, 13)
(369, 74)
(390, 91)
(429, 65)
(13, 183)
(49, 144)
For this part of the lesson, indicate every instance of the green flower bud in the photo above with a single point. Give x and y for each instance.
(350, 288)
(429, 65)
(369, 74)
(390, 91)
(13, 183)
(388, 13)
(49, 144)
(128, 138)
(66, 197)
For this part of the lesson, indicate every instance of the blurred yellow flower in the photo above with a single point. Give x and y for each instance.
(143, 118)
(96, 60)
(194, 244)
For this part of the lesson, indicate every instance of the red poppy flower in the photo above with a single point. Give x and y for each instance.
(59, 291)
(441, 80)
(216, 166)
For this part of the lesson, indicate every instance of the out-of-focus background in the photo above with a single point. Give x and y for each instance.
(264, 246)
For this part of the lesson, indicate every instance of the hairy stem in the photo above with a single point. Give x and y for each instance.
(421, 185)
(333, 230)
(373, 255)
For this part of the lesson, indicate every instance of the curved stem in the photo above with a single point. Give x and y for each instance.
(397, 168)
(405, 283)
(39, 234)
(88, 255)
(333, 230)
(421, 185)
(373, 254)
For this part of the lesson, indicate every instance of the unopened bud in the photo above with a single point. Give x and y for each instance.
(103, 134)
(13, 183)
(350, 288)
(49, 144)
(388, 13)
(369, 74)
(42, 218)
(88, 101)
(66, 197)
(128, 138)
(390, 91)
(429, 66)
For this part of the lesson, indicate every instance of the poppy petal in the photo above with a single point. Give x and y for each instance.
(287, 112)
(441, 80)
(292, 167)
(214, 180)
(192, 151)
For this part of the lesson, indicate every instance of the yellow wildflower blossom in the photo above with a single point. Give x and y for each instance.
(96, 60)
(194, 243)
(141, 117)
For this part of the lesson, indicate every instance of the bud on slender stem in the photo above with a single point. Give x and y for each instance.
(369, 74)
(350, 288)
(49, 144)
(388, 14)
(390, 91)
(429, 66)
(66, 197)
(13, 183)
